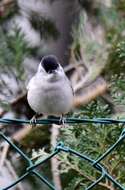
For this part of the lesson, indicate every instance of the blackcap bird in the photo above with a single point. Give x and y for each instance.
(49, 90)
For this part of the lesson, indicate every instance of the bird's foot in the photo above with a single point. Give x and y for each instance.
(33, 121)
(62, 121)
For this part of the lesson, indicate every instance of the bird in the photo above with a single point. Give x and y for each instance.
(49, 91)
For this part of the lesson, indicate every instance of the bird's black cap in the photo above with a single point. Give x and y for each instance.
(50, 63)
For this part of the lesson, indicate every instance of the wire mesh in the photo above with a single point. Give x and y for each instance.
(31, 167)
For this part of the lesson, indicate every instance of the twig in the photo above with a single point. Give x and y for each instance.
(4, 154)
(2, 113)
(6, 85)
(13, 173)
(72, 66)
(54, 160)
(19, 98)
(21, 133)
(85, 80)
(17, 137)
(98, 87)
(6, 3)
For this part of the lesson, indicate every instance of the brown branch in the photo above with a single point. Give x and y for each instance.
(13, 173)
(72, 66)
(2, 113)
(19, 135)
(6, 3)
(54, 160)
(97, 88)
(17, 99)
(4, 153)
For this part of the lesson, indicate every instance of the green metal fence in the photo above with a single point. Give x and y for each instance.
(31, 167)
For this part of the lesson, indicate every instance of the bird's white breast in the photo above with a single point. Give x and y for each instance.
(51, 98)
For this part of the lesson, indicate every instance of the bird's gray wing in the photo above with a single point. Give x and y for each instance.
(70, 86)
(31, 83)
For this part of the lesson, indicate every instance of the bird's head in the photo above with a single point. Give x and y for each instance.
(50, 66)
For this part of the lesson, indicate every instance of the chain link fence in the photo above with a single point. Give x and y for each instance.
(96, 164)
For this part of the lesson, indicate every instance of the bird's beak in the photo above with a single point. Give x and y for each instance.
(53, 71)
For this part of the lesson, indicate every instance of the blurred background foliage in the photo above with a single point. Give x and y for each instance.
(89, 39)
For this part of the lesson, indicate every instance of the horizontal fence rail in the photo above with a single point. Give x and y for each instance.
(31, 167)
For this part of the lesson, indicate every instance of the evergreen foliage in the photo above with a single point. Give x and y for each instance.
(13, 50)
(93, 140)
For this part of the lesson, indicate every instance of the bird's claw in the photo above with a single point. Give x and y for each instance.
(62, 121)
(33, 121)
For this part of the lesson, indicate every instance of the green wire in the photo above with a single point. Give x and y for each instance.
(30, 169)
